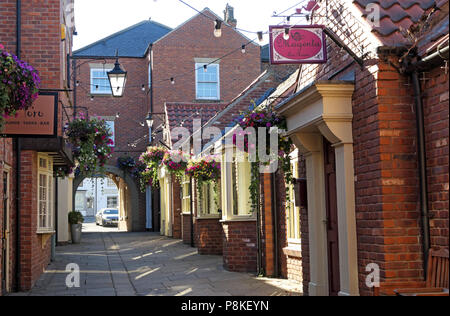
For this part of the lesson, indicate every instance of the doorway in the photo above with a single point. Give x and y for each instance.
(331, 219)
(5, 234)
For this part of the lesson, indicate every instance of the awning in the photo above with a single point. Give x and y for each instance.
(56, 147)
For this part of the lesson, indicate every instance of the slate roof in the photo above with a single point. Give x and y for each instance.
(131, 42)
(397, 14)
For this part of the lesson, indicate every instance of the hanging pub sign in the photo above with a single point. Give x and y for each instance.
(297, 44)
(40, 120)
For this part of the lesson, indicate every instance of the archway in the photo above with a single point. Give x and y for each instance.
(133, 221)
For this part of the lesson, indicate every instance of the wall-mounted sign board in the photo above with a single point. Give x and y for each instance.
(306, 45)
(40, 120)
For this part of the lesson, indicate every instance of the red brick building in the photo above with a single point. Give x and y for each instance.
(125, 115)
(381, 188)
(376, 198)
(28, 164)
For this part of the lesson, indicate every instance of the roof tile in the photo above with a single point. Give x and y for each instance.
(397, 15)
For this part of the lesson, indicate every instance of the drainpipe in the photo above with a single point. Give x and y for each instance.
(192, 213)
(421, 149)
(259, 268)
(275, 222)
(413, 70)
(18, 145)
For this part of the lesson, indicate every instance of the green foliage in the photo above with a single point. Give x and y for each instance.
(75, 218)
(91, 144)
(19, 85)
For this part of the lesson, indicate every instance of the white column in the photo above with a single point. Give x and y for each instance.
(311, 146)
(345, 186)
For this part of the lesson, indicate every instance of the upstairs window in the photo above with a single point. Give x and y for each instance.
(100, 82)
(207, 81)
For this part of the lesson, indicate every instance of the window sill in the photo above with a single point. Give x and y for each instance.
(101, 94)
(208, 100)
(239, 219)
(45, 232)
(217, 216)
(293, 251)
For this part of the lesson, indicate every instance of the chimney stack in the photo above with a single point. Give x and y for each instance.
(229, 16)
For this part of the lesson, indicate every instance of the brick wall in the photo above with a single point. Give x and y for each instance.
(436, 107)
(239, 246)
(35, 249)
(209, 236)
(43, 49)
(174, 55)
(132, 107)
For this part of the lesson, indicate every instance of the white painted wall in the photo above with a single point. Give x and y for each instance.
(95, 193)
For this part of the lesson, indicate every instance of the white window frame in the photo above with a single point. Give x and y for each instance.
(93, 86)
(186, 195)
(295, 221)
(110, 183)
(207, 208)
(47, 172)
(228, 182)
(117, 201)
(200, 66)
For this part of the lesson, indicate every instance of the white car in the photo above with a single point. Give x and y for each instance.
(107, 217)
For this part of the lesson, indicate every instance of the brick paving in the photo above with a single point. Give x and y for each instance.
(147, 264)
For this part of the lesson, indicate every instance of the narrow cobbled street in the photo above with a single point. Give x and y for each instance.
(145, 264)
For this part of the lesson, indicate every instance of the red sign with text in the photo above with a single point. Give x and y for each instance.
(305, 45)
(40, 120)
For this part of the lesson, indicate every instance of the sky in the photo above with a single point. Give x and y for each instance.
(96, 19)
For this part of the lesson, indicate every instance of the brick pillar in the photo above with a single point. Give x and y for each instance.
(186, 228)
(239, 246)
(269, 241)
(209, 236)
(176, 225)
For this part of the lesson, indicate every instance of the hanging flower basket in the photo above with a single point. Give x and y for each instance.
(126, 163)
(19, 85)
(264, 117)
(176, 163)
(152, 160)
(204, 169)
(91, 144)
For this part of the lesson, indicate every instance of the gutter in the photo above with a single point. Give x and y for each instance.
(18, 155)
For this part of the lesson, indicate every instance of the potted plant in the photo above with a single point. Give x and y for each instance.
(76, 220)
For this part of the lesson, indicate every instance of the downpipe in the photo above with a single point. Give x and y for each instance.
(18, 145)
(421, 151)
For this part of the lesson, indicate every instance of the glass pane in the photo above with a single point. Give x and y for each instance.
(207, 90)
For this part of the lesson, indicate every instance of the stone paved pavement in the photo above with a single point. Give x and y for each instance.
(146, 264)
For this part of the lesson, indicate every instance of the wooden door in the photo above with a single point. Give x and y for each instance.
(4, 233)
(332, 219)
